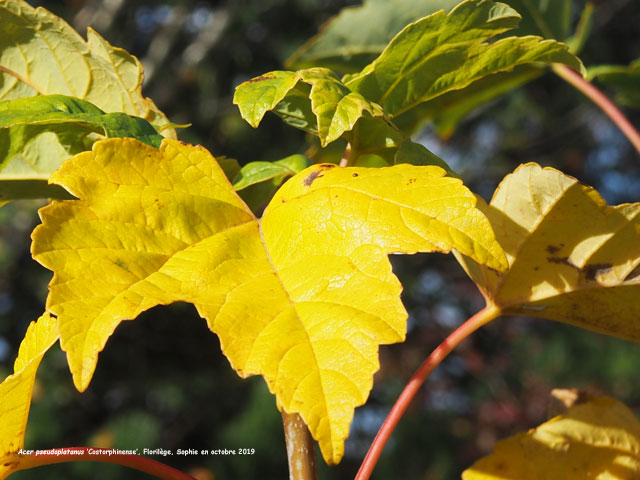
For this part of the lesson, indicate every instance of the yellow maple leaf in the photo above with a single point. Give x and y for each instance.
(16, 391)
(599, 439)
(571, 257)
(303, 296)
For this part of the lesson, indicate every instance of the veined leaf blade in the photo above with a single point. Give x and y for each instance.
(41, 54)
(441, 53)
(284, 293)
(261, 94)
(256, 172)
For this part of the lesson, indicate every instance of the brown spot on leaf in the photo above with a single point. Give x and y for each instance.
(311, 178)
(494, 270)
(266, 76)
(591, 272)
(317, 174)
(562, 260)
(354, 175)
(410, 181)
(552, 249)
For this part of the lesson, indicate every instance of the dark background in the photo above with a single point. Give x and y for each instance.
(163, 383)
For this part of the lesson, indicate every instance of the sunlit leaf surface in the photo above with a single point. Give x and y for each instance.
(303, 296)
(445, 52)
(314, 100)
(41, 54)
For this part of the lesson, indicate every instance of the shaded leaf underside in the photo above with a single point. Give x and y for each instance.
(624, 80)
(571, 257)
(598, 439)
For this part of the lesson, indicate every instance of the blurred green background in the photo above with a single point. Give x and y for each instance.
(163, 383)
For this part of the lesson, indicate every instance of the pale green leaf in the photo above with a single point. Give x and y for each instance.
(256, 182)
(256, 172)
(322, 105)
(295, 109)
(261, 94)
(376, 143)
(335, 106)
(445, 52)
(303, 296)
(41, 54)
(598, 439)
(357, 35)
(16, 391)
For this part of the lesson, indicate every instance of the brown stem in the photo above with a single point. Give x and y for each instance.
(301, 450)
(597, 97)
(84, 454)
(402, 403)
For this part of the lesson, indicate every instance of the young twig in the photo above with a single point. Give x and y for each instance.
(402, 403)
(597, 97)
